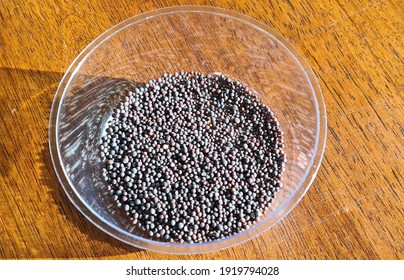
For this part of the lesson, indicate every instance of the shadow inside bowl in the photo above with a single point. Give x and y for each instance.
(82, 118)
(49, 179)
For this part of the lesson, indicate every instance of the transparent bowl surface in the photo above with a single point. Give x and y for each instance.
(186, 38)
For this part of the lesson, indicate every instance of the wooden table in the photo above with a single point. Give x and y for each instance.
(354, 209)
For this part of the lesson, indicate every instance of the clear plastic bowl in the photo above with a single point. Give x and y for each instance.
(186, 38)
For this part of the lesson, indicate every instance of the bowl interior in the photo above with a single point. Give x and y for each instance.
(171, 40)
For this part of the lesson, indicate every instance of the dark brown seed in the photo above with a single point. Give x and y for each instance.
(193, 158)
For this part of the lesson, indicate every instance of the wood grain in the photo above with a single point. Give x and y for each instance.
(354, 209)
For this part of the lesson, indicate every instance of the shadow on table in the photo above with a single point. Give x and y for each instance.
(37, 89)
